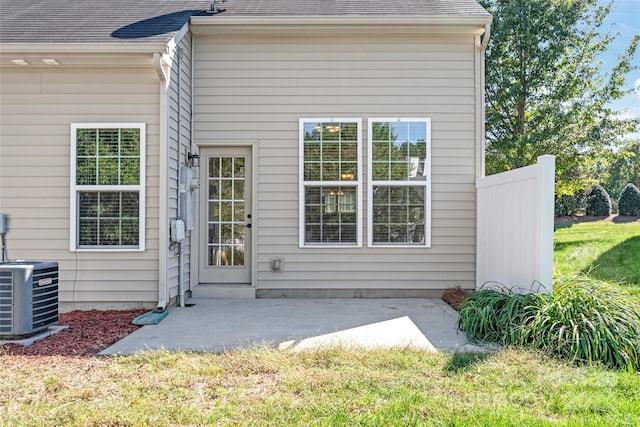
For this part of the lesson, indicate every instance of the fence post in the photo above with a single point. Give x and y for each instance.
(546, 197)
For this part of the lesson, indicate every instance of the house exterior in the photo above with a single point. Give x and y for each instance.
(161, 149)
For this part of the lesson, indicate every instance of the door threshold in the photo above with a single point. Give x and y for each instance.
(216, 290)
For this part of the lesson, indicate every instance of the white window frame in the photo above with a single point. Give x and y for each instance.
(302, 184)
(371, 183)
(75, 189)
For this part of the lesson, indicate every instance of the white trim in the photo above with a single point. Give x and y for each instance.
(83, 47)
(196, 248)
(178, 37)
(400, 24)
(73, 216)
(301, 183)
(426, 183)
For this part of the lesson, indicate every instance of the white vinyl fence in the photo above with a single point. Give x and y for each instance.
(515, 228)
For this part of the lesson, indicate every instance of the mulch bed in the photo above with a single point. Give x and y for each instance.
(88, 333)
(454, 297)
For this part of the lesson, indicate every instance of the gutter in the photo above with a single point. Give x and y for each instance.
(349, 25)
(150, 48)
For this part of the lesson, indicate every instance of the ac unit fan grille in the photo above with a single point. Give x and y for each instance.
(6, 301)
(45, 296)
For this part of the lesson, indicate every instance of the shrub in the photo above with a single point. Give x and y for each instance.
(629, 201)
(569, 205)
(582, 320)
(598, 202)
(493, 315)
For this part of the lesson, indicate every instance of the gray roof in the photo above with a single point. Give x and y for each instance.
(157, 21)
(352, 7)
(95, 21)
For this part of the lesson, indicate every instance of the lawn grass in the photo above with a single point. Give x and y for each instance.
(602, 250)
(326, 387)
(335, 387)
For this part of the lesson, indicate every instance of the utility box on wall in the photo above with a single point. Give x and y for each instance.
(188, 184)
(28, 297)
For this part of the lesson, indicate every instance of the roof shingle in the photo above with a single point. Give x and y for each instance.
(93, 21)
(157, 21)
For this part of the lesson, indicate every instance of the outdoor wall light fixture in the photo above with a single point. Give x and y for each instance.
(194, 159)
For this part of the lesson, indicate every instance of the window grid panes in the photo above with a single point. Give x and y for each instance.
(330, 151)
(108, 156)
(398, 214)
(330, 214)
(108, 186)
(108, 218)
(330, 183)
(398, 185)
(226, 211)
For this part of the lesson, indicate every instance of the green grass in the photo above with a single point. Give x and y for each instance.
(336, 387)
(602, 250)
(593, 314)
(584, 320)
(332, 387)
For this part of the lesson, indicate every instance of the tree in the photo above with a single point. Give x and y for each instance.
(598, 202)
(621, 167)
(629, 201)
(546, 92)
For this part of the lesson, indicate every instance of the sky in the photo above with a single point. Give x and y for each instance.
(624, 19)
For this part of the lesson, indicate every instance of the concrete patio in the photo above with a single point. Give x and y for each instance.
(218, 325)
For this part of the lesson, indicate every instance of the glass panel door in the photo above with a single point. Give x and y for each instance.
(226, 216)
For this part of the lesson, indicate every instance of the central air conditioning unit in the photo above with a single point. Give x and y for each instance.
(28, 297)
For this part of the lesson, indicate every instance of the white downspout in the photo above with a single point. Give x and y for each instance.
(180, 175)
(480, 129)
(192, 234)
(480, 91)
(163, 185)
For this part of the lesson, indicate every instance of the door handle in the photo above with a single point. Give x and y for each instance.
(248, 225)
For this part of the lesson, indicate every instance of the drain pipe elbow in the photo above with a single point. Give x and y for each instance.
(485, 37)
(157, 64)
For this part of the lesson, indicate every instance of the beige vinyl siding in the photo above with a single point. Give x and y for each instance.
(257, 88)
(176, 152)
(38, 106)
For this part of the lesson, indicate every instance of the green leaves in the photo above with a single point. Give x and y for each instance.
(582, 320)
(546, 92)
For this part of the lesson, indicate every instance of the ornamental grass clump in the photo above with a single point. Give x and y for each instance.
(494, 315)
(582, 320)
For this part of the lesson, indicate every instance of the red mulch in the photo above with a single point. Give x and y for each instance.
(454, 297)
(88, 333)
